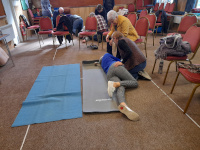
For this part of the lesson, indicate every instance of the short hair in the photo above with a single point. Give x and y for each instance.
(92, 14)
(61, 10)
(99, 7)
(117, 35)
(112, 15)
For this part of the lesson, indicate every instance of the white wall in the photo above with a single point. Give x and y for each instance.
(10, 15)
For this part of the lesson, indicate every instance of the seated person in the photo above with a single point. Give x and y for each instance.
(100, 10)
(56, 13)
(119, 79)
(132, 57)
(77, 23)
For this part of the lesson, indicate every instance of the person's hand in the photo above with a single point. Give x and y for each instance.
(107, 38)
(110, 43)
(118, 63)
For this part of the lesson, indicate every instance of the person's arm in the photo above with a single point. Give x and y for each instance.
(110, 33)
(127, 51)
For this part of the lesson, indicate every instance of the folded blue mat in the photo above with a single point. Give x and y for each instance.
(55, 95)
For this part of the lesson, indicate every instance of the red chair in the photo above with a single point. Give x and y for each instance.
(171, 8)
(133, 18)
(186, 22)
(152, 21)
(139, 5)
(193, 37)
(131, 8)
(143, 13)
(62, 33)
(161, 6)
(121, 7)
(34, 27)
(191, 77)
(158, 23)
(167, 7)
(45, 27)
(90, 28)
(34, 20)
(142, 27)
(147, 2)
(156, 7)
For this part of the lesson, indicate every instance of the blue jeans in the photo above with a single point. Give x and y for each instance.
(136, 69)
(78, 24)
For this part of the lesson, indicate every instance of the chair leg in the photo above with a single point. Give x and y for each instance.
(175, 82)
(39, 40)
(156, 31)
(153, 38)
(167, 72)
(192, 94)
(154, 66)
(79, 41)
(145, 46)
(102, 41)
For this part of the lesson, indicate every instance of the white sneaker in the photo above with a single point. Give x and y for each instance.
(111, 88)
(128, 112)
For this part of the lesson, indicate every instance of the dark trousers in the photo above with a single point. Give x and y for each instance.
(109, 50)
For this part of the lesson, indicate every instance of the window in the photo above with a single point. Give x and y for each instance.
(198, 4)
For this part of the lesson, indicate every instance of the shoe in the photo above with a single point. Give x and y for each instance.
(144, 74)
(128, 112)
(111, 88)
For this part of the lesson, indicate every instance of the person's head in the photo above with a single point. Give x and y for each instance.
(61, 10)
(116, 36)
(112, 17)
(92, 14)
(99, 8)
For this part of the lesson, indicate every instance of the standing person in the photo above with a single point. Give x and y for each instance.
(108, 5)
(119, 79)
(121, 24)
(46, 8)
(56, 13)
(132, 57)
(77, 23)
(100, 10)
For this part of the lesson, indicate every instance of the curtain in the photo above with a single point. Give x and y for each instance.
(190, 5)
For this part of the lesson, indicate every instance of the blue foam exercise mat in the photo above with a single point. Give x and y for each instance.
(55, 95)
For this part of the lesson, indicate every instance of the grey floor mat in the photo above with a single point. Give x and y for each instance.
(95, 96)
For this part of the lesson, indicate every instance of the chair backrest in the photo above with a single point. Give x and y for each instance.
(147, 2)
(152, 20)
(45, 24)
(131, 7)
(139, 4)
(161, 6)
(91, 23)
(171, 8)
(167, 7)
(156, 7)
(57, 22)
(159, 17)
(142, 26)
(192, 36)
(143, 13)
(133, 18)
(186, 22)
(30, 13)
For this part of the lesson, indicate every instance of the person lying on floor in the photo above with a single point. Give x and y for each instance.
(118, 79)
(132, 57)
